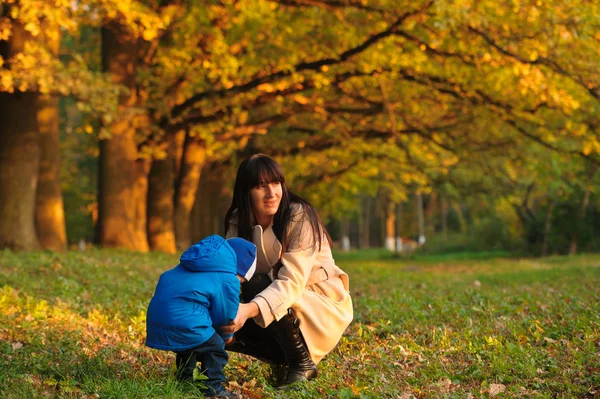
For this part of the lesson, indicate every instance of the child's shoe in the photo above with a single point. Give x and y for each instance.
(223, 393)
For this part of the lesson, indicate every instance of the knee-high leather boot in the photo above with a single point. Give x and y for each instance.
(300, 364)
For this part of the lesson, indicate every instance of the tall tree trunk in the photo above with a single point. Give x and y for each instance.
(420, 218)
(547, 227)
(390, 225)
(121, 177)
(193, 160)
(444, 215)
(580, 219)
(399, 226)
(49, 210)
(19, 157)
(140, 193)
(19, 167)
(591, 171)
(365, 223)
(431, 213)
(460, 215)
(161, 190)
(211, 203)
(345, 234)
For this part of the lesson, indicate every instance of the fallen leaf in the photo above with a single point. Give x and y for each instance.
(17, 346)
(445, 383)
(495, 389)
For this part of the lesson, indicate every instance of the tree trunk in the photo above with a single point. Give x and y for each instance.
(121, 177)
(460, 215)
(19, 157)
(420, 218)
(194, 157)
(140, 193)
(211, 203)
(345, 235)
(390, 225)
(365, 223)
(431, 214)
(399, 226)
(444, 215)
(547, 227)
(49, 210)
(19, 167)
(580, 219)
(161, 230)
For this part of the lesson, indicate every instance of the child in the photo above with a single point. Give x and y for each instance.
(193, 299)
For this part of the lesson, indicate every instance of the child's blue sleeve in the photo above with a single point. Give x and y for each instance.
(224, 304)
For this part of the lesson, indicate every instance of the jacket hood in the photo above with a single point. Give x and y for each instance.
(212, 254)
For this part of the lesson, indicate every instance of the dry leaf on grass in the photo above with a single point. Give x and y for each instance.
(495, 389)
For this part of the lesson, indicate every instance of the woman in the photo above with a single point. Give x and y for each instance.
(298, 296)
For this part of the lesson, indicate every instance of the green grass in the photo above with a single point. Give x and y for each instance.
(73, 325)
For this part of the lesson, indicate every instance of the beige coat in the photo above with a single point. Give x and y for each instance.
(308, 281)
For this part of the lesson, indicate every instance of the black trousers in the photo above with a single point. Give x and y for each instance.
(251, 331)
(212, 357)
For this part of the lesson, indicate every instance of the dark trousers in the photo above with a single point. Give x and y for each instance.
(212, 357)
(252, 332)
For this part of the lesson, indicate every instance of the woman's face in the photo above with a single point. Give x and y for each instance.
(265, 199)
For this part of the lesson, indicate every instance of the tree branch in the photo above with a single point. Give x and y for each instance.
(178, 110)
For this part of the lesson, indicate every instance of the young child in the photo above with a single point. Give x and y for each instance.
(193, 299)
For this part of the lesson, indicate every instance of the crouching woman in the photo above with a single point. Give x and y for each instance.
(298, 305)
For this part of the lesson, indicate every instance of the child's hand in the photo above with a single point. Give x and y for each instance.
(245, 311)
(229, 341)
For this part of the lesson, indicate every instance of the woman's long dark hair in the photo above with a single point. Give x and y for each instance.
(257, 169)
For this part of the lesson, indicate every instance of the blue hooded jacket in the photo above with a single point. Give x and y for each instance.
(200, 294)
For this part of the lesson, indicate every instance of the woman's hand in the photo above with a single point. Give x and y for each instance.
(245, 311)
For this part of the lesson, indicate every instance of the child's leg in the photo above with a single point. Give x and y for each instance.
(186, 363)
(213, 358)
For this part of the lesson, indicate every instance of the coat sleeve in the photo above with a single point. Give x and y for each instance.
(292, 277)
(224, 304)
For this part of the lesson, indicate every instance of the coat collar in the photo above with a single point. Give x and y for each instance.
(268, 247)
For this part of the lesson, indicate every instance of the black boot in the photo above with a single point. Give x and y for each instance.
(263, 351)
(300, 364)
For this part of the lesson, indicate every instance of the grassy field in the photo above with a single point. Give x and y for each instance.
(73, 325)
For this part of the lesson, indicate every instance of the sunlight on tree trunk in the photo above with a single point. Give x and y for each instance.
(49, 211)
(194, 157)
(399, 226)
(161, 189)
(122, 181)
(390, 225)
(140, 203)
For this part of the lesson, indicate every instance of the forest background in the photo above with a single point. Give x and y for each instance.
(474, 124)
